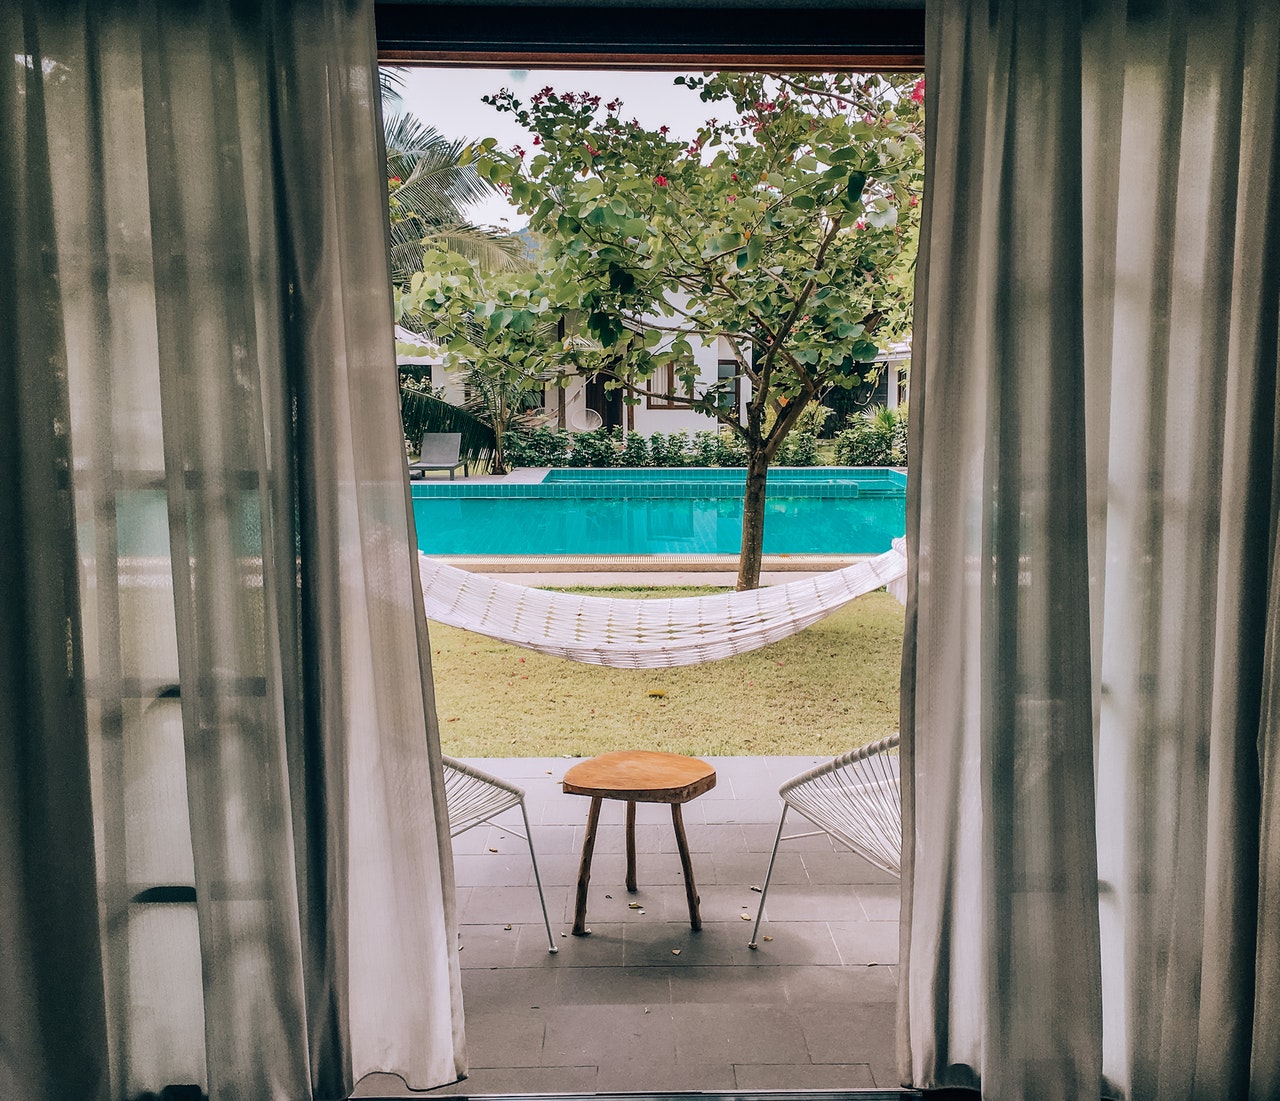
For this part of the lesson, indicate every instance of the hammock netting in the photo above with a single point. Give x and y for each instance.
(648, 634)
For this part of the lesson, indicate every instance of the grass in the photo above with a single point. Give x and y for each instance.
(829, 688)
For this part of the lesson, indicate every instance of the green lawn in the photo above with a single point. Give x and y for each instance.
(830, 688)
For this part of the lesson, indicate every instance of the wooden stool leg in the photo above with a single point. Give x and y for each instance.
(584, 869)
(691, 891)
(631, 847)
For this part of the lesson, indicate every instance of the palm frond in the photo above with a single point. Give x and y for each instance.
(421, 412)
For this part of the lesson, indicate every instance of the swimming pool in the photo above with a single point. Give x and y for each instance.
(809, 510)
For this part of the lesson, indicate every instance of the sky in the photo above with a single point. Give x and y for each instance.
(450, 100)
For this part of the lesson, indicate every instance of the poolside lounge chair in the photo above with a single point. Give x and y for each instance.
(856, 799)
(439, 451)
(475, 798)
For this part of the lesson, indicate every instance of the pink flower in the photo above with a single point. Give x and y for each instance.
(912, 201)
(664, 130)
(661, 181)
(733, 198)
(859, 224)
(537, 139)
(917, 93)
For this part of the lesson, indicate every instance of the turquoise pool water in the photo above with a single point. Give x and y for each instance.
(812, 510)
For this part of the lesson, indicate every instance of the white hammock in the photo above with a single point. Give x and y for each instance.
(645, 634)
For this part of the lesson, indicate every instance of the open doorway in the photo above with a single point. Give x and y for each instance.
(644, 1003)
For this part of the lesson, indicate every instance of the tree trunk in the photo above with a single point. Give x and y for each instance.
(753, 520)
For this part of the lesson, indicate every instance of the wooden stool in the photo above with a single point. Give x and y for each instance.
(637, 776)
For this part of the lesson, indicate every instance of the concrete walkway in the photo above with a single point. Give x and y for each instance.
(644, 1003)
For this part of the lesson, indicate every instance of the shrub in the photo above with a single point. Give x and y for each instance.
(672, 450)
(634, 451)
(537, 447)
(595, 448)
(706, 449)
(800, 448)
(730, 451)
(875, 437)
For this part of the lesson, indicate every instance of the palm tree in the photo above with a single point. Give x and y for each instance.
(431, 182)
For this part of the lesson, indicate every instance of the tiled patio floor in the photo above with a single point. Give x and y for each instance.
(620, 1011)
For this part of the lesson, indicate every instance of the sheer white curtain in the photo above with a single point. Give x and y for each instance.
(230, 861)
(1090, 707)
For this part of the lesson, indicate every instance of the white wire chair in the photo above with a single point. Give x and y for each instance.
(585, 420)
(856, 799)
(474, 798)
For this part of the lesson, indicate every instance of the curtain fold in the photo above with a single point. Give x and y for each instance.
(243, 748)
(1091, 648)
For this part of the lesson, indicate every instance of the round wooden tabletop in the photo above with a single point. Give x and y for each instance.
(641, 776)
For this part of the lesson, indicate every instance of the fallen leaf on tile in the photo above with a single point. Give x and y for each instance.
(492, 849)
(766, 938)
(745, 917)
(756, 889)
(675, 951)
(633, 905)
(642, 912)
(507, 926)
(608, 896)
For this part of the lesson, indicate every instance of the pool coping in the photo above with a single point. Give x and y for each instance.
(643, 563)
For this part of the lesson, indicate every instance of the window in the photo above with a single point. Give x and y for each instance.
(666, 381)
(729, 399)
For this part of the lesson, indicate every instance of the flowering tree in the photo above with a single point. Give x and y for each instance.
(785, 228)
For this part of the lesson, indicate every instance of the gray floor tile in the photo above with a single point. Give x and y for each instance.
(640, 1074)
(813, 902)
(552, 840)
(759, 838)
(862, 942)
(599, 1034)
(708, 839)
(492, 869)
(719, 902)
(737, 985)
(827, 1076)
(512, 988)
(611, 837)
(848, 983)
(642, 986)
(524, 1080)
(655, 945)
(504, 1038)
(729, 809)
(512, 905)
(488, 946)
(603, 948)
(880, 901)
(794, 943)
(720, 1033)
(748, 868)
(844, 867)
(845, 1032)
